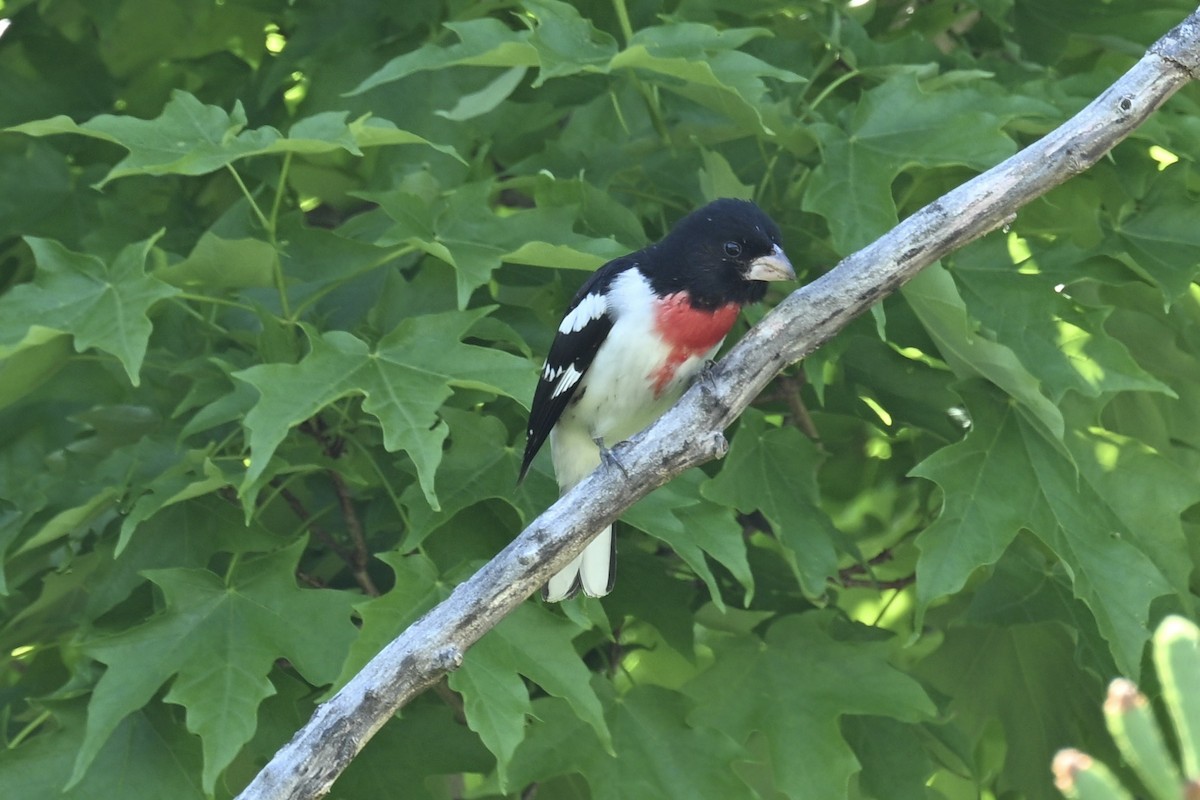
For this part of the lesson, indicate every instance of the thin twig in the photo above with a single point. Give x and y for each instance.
(358, 558)
(883, 557)
(451, 698)
(790, 386)
(309, 580)
(868, 583)
(361, 554)
(301, 511)
(850, 577)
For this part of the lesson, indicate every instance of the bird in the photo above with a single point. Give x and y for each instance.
(635, 335)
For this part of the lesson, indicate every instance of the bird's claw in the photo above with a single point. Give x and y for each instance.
(608, 456)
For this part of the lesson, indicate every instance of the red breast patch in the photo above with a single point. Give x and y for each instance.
(688, 331)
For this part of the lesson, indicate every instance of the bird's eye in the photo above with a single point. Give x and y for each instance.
(733, 249)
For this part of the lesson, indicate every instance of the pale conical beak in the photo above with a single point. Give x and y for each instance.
(774, 266)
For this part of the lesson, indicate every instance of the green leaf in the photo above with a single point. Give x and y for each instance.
(704, 65)
(1007, 682)
(183, 535)
(534, 643)
(191, 138)
(216, 263)
(935, 300)
(566, 42)
(1161, 242)
(146, 756)
(561, 256)
(404, 380)
(1061, 343)
(1149, 493)
(694, 527)
(427, 740)
(894, 762)
(482, 42)
(36, 190)
(751, 682)
(478, 465)
(26, 364)
(659, 755)
(101, 304)
(1006, 457)
(718, 180)
(417, 589)
(71, 519)
(774, 470)
(469, 235)
(486, 99)
(369, 131)
(192, 476)
(895, 127)
(218, 640)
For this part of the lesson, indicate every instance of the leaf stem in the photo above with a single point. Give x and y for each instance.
(649, 93)
(268, 224)
(220, 301)
(760, 192)
(834, 84)
(367, 454)
(623, 20)
(262, 219)
(25, 732)
(333, 286)
(233, 564)
(279, 193)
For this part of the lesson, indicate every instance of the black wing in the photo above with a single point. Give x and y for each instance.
(570, 356)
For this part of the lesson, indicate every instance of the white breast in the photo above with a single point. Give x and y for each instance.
(618, 398)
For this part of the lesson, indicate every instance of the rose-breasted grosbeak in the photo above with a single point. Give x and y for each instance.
(632, 340)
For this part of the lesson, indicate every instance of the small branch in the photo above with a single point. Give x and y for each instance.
(689, 434)
(883, 557)
(850, 576)
(451, 698)
(309, 580)
(790, 386)
(361, 555)
(358, 558)
(867, 583)
(301, 511)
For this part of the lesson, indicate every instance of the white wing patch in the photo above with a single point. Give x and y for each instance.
(550, 373)
(570, 377)
(591, 307)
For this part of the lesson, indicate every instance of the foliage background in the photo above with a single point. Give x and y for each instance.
(275, 280)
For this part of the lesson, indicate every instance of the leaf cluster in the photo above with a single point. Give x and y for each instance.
(275, 283)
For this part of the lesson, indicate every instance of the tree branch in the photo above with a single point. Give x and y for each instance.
(690, 434)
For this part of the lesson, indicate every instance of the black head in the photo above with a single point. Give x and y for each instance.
(721, 253)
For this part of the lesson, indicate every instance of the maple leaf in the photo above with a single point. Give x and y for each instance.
(217, 641)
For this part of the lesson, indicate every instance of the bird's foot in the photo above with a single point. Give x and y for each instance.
(608, 456)
(709, 387)
(707, 380)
